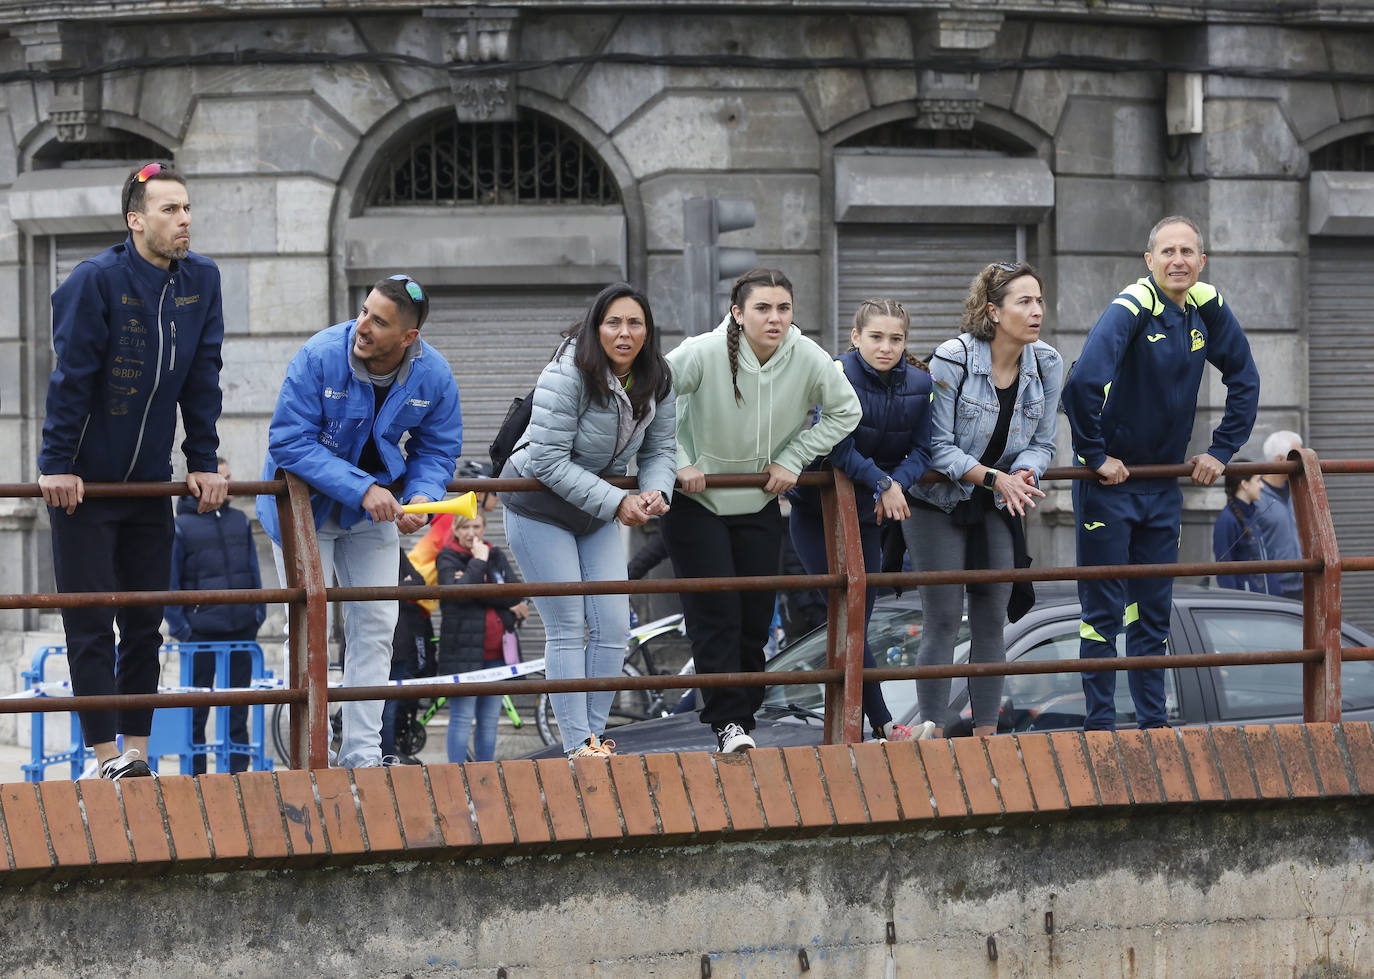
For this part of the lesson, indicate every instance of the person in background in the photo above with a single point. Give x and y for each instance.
(1277, 522)
(412, 655)
(472, 632)
(211, 551)
(885, 455)
(1236, 535)
(604, 401)
(992, 433)
(745, 393)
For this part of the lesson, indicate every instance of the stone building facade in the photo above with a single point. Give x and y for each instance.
(515, 158)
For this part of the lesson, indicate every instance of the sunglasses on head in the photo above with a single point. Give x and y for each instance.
(413, 289)
(1006, 266)
(146, 172)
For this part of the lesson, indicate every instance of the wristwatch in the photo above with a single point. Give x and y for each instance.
(884, 484)
(990, 478)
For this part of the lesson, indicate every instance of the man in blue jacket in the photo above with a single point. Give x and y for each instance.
(351, 394)
(1130, 399)
(213, 551)
(136, 332)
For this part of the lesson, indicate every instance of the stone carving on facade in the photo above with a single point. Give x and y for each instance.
(74, 109)
(950, 100)
(478, 37)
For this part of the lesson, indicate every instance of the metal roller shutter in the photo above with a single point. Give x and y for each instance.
(926, 267)
(69, 251)
(497, 342)
(1340, 398)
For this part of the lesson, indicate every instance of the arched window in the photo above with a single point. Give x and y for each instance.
(118, 147)
(533, 160)
(1352, 153)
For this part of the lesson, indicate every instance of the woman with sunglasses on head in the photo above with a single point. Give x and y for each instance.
(885, 455)
(996, 388)
(745, 393)
(605, 400)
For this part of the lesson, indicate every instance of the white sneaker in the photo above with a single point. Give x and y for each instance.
(733, 738)
(923, 731)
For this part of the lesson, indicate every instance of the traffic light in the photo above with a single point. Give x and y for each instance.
(706, 263)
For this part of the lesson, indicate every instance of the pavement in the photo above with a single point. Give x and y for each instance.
(510, 743)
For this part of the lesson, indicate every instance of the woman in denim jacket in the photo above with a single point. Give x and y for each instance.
(996, 387)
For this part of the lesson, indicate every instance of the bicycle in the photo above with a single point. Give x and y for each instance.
(628, 705)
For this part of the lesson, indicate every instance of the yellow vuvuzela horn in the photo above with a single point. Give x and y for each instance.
(464, 505)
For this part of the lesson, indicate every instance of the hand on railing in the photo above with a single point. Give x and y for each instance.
(1017, 490)
(780, 478)
(691, 479)
(1206, 469)
(1113, 471)
(63, 490)
(211, 489)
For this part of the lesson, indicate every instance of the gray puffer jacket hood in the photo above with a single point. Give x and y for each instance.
(573, 439)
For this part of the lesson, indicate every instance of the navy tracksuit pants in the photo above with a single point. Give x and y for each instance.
(1116, 525)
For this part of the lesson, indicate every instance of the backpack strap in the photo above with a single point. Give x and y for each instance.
(962, 365)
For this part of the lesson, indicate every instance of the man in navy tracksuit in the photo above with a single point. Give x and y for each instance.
(212, 551)
(1130, 400)
(137, 332)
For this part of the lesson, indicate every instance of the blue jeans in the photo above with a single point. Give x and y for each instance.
(549, 553)
(364, 555)
(460, 714)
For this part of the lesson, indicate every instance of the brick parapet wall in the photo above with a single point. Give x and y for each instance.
(64, 830)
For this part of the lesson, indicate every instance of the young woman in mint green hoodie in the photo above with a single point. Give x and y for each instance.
(745, 392)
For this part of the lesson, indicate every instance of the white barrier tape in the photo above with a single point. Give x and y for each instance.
(63, 688)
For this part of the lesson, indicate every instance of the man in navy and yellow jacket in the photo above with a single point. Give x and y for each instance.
(1130, 399)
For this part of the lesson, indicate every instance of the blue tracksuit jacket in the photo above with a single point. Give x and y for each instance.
(1133, 392)
(134, 342)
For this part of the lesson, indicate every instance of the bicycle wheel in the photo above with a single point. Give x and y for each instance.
(629, 705)
(280, 723)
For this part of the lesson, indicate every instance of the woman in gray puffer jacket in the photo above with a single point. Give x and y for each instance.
(606, 399)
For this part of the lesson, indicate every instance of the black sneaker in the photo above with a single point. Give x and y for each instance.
(731, 738)
(128, 765)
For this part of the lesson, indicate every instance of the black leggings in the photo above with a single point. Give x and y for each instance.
(728, 629)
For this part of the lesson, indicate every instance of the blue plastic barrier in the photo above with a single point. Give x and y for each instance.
(171, 733)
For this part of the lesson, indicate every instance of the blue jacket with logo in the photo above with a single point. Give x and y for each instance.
(1133, 392)
(325, 413)
(211, 551)
(133, 343)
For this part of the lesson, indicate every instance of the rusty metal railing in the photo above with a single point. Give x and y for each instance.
(307, 599)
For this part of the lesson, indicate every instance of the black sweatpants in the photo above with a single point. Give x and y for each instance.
(113, 545)
(728, 629)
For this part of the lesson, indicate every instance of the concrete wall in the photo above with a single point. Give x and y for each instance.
(746, 863)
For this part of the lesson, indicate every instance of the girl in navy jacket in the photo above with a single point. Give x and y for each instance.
(885, 455)
(1237, 535)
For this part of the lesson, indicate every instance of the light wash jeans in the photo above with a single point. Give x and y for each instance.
(460, 713)
(365, 555)
(586, 634)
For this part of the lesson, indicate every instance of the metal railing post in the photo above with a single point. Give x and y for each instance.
(307, 638)
(845, 623)
(1321, 590)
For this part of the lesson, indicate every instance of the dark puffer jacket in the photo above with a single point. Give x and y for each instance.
(463, 629)
(893, 436)
(213, 550)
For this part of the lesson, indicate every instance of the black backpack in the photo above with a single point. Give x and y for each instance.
(507, 441)
(503, 446)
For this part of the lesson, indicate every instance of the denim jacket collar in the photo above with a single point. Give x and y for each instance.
(980, 358)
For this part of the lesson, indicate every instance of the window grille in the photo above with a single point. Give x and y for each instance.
(1352, 153)
(903, 134)
(533, 160)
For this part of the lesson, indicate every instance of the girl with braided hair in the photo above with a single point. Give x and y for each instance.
(885, 456)
(745, 392)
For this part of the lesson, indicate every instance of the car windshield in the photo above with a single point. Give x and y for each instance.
(894, 635)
